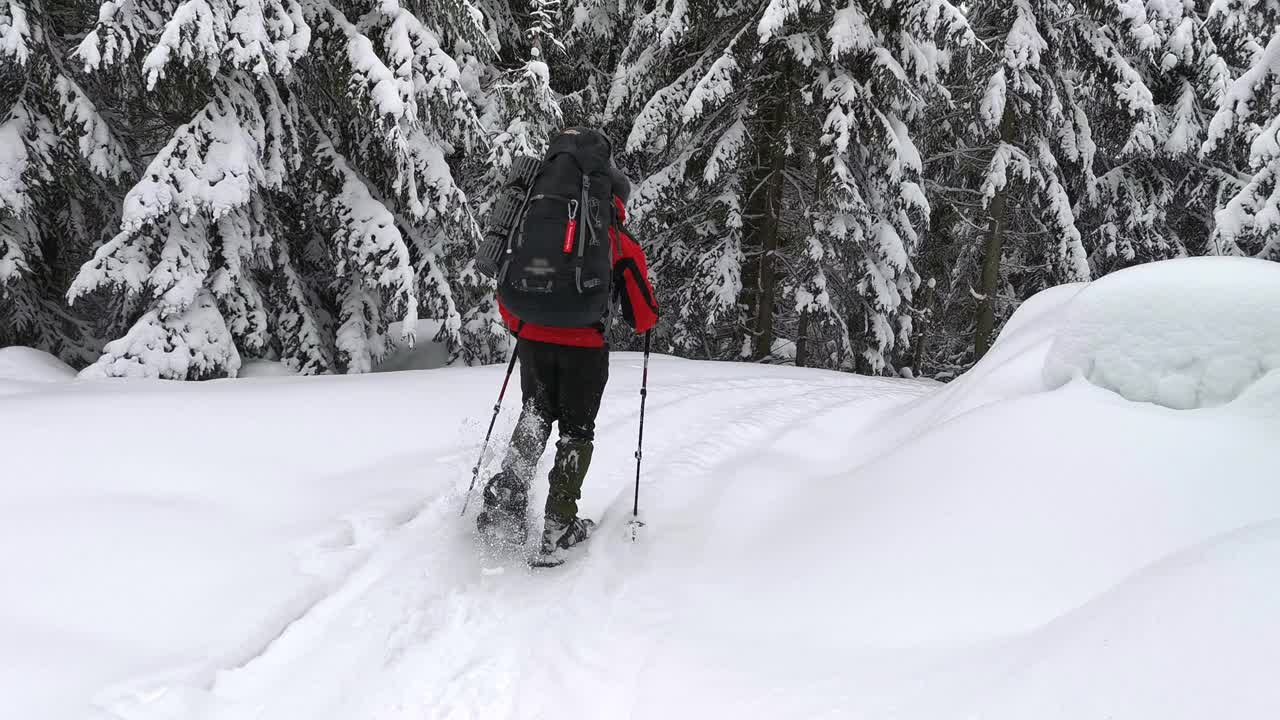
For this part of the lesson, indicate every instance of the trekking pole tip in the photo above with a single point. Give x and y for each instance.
(633, 528)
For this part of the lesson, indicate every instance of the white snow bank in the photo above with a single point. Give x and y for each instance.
(31, 365)
(1004, 519)
(1185, 333)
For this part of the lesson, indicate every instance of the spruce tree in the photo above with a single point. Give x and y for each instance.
(306, 198)
(1068, 150)
(782, 185)
(61, 167)
(1154, 78)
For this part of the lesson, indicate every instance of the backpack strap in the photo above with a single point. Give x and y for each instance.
(591, 230)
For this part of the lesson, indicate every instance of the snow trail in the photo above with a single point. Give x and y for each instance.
(416, 629)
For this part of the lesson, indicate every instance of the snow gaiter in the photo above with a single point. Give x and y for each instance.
(573, 457)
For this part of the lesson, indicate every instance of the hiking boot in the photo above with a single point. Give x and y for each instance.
(506, 502)
(559, 535)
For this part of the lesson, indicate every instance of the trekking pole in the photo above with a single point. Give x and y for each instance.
(644, 392)
(475, 472)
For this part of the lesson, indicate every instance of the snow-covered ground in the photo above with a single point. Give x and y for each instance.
(1024, 542)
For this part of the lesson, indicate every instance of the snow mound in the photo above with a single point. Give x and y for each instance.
(1187, 333)
(1013, 368)
(31, 365)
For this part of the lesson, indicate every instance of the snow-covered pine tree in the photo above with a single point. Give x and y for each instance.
(524, 114)
(1152, 79)
(782, 198)
(61, 169)
(1110, 102)
(303, 198)
(1005, 157)
(1244, 134)
(412, 171)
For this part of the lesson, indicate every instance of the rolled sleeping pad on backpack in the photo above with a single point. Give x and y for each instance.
(505, 213)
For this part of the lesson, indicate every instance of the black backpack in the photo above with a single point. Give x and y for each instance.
(552, 260)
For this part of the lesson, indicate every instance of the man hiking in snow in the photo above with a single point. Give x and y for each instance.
(567, 257)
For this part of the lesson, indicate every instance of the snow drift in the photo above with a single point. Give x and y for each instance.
(1025, 542)
(1185, 334)
(28, 365)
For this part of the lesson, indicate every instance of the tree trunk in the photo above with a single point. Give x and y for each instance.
(802, 341)
(767, 230)
(922, 332)
(993, 251)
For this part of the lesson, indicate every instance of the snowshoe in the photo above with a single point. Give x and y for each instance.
(501, 529)
(557, 538)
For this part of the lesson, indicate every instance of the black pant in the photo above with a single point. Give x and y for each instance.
(564, 385)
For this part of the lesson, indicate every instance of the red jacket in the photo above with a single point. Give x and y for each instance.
(630, 278)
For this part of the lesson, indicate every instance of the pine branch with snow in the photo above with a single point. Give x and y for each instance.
(372, 258)
(191, 343)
